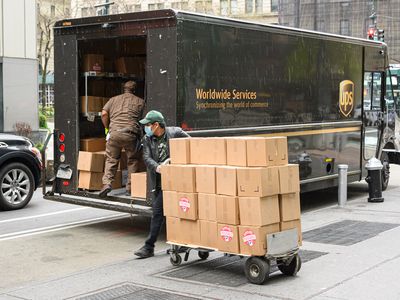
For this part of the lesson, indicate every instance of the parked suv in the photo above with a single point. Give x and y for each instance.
(20, 171)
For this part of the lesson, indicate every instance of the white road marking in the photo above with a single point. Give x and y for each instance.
(31, 232)
(43, 215)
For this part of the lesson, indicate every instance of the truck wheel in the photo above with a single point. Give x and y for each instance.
(16, 186)
(257, 269)
(292, 268)
(385, 170)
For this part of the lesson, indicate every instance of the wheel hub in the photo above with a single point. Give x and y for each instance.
(254, 270)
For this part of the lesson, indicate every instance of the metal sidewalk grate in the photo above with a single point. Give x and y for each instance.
(347, 232)
(132, 291)
(225, 270)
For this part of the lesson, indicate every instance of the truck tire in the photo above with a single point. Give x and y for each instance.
(16, 186)
(385, 170)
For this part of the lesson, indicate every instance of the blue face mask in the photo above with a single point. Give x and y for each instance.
(148, 131)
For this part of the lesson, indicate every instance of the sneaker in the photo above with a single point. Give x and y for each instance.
(105, 190)
(127, 193)
(144, 252)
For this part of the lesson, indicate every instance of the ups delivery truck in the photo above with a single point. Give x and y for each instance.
(330, 95)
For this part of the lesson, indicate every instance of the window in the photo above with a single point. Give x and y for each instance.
(249, 6)
(344, 27)
(52, 11)
(274, 5)
(199, 6)
(234, 7)
(224, 6)
(321, 25)
(138, 7)
(67, 11)
(152, 6)
(259, 6)
(84, 11)
(160, 6)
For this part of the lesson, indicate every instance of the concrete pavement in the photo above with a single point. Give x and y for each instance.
(348, 253)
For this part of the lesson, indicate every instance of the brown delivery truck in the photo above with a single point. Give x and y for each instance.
(329, 95)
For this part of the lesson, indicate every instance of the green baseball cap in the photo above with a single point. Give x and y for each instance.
(151, 117)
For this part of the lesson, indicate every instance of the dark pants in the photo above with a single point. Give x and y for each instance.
(157, 220)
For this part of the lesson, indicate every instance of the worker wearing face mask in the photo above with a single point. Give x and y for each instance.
(155, 153)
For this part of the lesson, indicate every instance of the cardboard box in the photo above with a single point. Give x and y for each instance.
(205, 179)
(289, 180)
(94, 104)
(187, 205)
(170, 204)
(207, 206)
(208, 151)
(208, 234)
(130, 65)
(168, 182)
(258, 182)
(90, 161)
(179, 150)
(172, 228)
(252, 239)
(281, 150)
(261, 152)
(90, 180)
(185, 178)
(291, 225)
(183, 231)
(139, 185)
(93, 62)
(228, 238)
(226, 180)
(227, 210)
(236, 152)
(289, 206)
(93, 144)
(256, 211)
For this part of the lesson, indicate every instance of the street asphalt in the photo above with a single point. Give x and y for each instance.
(347, 253)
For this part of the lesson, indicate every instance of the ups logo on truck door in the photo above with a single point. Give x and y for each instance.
(346, 97)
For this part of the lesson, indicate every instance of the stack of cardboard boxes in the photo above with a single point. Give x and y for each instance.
(91, 170)
(229, 193)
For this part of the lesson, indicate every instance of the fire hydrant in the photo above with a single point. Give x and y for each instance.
(374, 179)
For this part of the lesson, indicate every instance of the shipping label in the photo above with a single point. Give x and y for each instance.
(226, 233)
(184, 204)
(249, 238)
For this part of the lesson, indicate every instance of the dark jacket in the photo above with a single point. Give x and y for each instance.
(150, 156)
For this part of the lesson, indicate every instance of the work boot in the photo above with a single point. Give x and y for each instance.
(105, 190)
(144, 252)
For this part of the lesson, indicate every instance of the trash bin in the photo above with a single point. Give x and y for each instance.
(374, 179)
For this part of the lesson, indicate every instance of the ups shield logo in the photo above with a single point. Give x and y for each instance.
(346, 97)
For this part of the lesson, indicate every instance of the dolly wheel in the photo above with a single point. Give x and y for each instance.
(257, 269)
(175, 259)
(203, 255)
(292, 268)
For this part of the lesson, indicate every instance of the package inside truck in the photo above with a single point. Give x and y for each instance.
(104, 67)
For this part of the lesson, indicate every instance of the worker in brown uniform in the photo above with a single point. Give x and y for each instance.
(121, 116)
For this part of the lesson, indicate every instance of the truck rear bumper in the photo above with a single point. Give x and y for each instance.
(132, 208)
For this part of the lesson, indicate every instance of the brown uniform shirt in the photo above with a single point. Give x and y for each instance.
(125, 111)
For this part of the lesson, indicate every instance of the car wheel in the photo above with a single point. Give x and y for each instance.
(16, 186)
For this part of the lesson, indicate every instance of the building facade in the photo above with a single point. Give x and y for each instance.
(265, 11)
(346, 17)
(18, 65)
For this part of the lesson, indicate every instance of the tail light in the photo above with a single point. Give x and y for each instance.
(61, 137)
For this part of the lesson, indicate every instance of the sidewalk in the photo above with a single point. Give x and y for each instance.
(350, 253)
